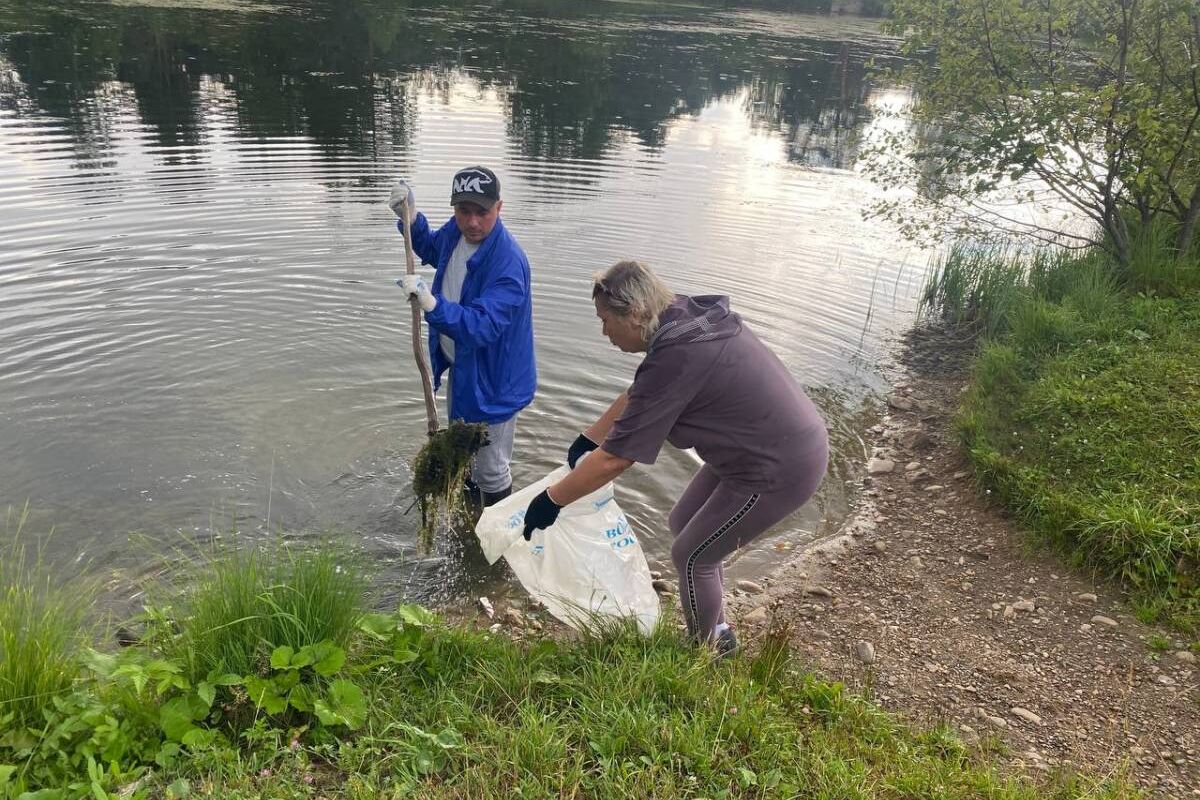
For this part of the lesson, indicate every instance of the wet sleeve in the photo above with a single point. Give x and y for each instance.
(662, 389)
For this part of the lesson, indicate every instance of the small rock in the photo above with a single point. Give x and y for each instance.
(1026, 715)
(900, 403)
(514, 617)
(958, 476)
(1088, 597)
(934, 487)
(880, 466)
(660, 585)
(756, 617)
(655, 574)
(865, 652)
(879, 545)
(1185, 656)
(966, 586)
(916, 563)
(1100, 619)
(1024, 605)
(818, 591)
(487, 607)
(750, 587)
(1164, 680)
(1009, 613)
(912, 466)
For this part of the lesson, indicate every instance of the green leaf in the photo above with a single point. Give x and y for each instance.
(264, 695)
(281, 657)
(301, 698)
(747, 777)
(329, 658)
(207, 693)
(379, 626)
(175, 717)
(199, 738)
(416, 615)
(449, 738)
(304, 657)
(166, 754)
(179, 789)
(403, 655)
(224, 679)
(344, 705)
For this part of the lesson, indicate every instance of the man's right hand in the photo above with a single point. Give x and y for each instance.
(581, 446)
(401, 200)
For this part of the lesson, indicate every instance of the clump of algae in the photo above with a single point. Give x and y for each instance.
(440, 473)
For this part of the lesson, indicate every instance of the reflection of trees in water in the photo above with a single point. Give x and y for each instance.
(340, 73)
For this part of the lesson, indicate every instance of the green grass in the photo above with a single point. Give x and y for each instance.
(619, 716)
(447, 712)
(42, 627)
(1083, 413)
(242, 602)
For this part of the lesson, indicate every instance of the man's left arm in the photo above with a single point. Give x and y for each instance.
(482, 321)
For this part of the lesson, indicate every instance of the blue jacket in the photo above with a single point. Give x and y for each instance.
(494, 371)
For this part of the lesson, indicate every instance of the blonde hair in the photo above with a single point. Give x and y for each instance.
(631, 291)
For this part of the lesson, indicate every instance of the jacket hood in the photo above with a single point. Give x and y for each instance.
(703, 318)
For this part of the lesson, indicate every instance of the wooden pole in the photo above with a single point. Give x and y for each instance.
(417, 339)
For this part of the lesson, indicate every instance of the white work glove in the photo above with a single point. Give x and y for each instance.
(414, 284)
(401, 200)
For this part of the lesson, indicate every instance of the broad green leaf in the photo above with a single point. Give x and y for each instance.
(449, 738)
(176, 717)
(6, 773)
(179, 789)
(304, 657)
(207, 693)
(301, 698)
(264, 695)
(344, 705)
(416, 615)
(329, 658)
(281, 657)
(199, 738)
(379, 626)
(166, 754)
(403, 655)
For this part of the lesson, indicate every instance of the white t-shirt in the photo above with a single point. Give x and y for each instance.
(452, 281)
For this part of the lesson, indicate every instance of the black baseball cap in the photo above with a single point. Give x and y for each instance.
(477, 185)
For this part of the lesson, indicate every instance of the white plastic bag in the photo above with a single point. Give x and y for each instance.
(589, 562)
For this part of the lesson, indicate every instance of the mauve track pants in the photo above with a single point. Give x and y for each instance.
(711, 520)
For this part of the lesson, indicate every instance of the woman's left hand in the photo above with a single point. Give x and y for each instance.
(542, 513)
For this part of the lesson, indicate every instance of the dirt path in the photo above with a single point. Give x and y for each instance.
(938, 605)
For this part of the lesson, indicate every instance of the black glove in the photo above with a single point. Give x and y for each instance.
(581, 445)
(542, 513)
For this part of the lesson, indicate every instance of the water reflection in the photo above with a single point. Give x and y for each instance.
(343, 73)
(198, 327)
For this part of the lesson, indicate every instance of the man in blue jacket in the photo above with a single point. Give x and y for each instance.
(480, 315)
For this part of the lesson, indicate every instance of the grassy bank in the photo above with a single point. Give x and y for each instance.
(211, 701)
(1083, 412)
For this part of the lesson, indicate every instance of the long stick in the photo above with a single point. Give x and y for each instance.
(417, 339)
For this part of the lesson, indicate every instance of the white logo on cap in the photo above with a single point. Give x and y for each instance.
(472, 182)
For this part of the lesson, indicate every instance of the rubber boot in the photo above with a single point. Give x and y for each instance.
(491, 498)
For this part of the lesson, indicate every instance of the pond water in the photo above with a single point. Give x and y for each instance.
(199, 330)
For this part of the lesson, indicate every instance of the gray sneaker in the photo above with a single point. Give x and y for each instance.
(726, 644)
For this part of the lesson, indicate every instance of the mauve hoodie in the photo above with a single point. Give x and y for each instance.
(708, 382)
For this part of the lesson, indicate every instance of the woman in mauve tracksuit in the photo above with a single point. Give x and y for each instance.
(708, 383)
